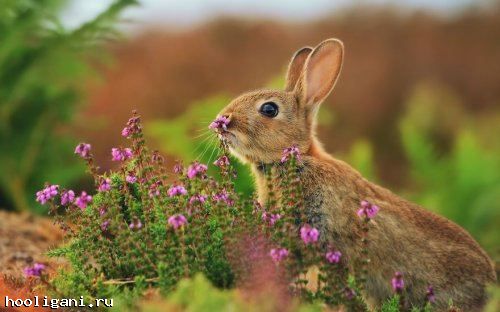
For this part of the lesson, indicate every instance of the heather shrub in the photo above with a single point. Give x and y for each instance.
(146, 228)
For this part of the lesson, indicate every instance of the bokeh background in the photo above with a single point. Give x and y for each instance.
(417, 107)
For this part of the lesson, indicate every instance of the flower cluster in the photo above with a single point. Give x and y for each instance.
(197, 198)
(83, 200)
(176, 190)
(397, 282)
(133, 126)
(35, 271)
(278, 254)
(309, 234)
(270, 218)
(223, 196)
(368, 210)
(47, 194)
(121, 154)
(105, 185)
(83, 149)
(219, 124)
(67, 197)
(222, 162)
(136, 224)
(177, 221)
(333, 256)
(289, 152)
(196, 170)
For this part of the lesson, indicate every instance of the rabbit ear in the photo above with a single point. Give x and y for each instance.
(320, 72)
(295, 67)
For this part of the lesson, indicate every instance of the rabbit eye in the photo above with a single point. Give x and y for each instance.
(269, 109)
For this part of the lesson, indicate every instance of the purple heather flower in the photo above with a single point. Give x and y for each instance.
(333, 256)
(121, 154)
(349, 293)
(219, 124)
(278, 254)
(83, 200)
(177, 221)
(46, 194)
(223, 196)
(154, 189)
(135, 224)
(309, 234)
(368, 210)
(131, 178)
(105, 185)
(102, 211)
(197, 198)
(35, 271)
(270, 218)
(176, 190)
(196, 169)
(67, 197)
(178, 168)
(156, 157)
(132, 127)
(397, 282)
(290, 151)
(222, 161)
(83, 149)
(430, 295)
(105, 225)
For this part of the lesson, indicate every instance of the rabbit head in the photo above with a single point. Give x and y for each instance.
(259, 125)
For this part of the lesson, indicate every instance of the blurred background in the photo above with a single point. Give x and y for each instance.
(417, 107)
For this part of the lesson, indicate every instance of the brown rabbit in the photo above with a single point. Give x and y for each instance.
(426, 248)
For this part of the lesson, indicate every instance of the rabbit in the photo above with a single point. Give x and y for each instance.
(404, 237)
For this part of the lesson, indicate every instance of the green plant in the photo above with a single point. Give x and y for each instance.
(460, 181)
(142, 232)
(42, 67)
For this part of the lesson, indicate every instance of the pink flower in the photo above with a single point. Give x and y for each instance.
(178, 168)
(47, 194)
(177, 221)
(83, 200)
(278, 254)
(156, 157)
(368, 210)
(121, 154)
(105, 225)
(154, 189)
(176, 190)
(309, 234)
(333, 256)
(131, 178)
(133, 126)
(105, 185)
(135, 224)
(223, 196)
(430, 295)
(67, 197)
(292, 151)
(197, 198)
(83, 149)
(270, 218)
(219, 124)
(35, 271)
(397, 282)
(102, 211)
(196, 169)
(222, 161)
(349, 293)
